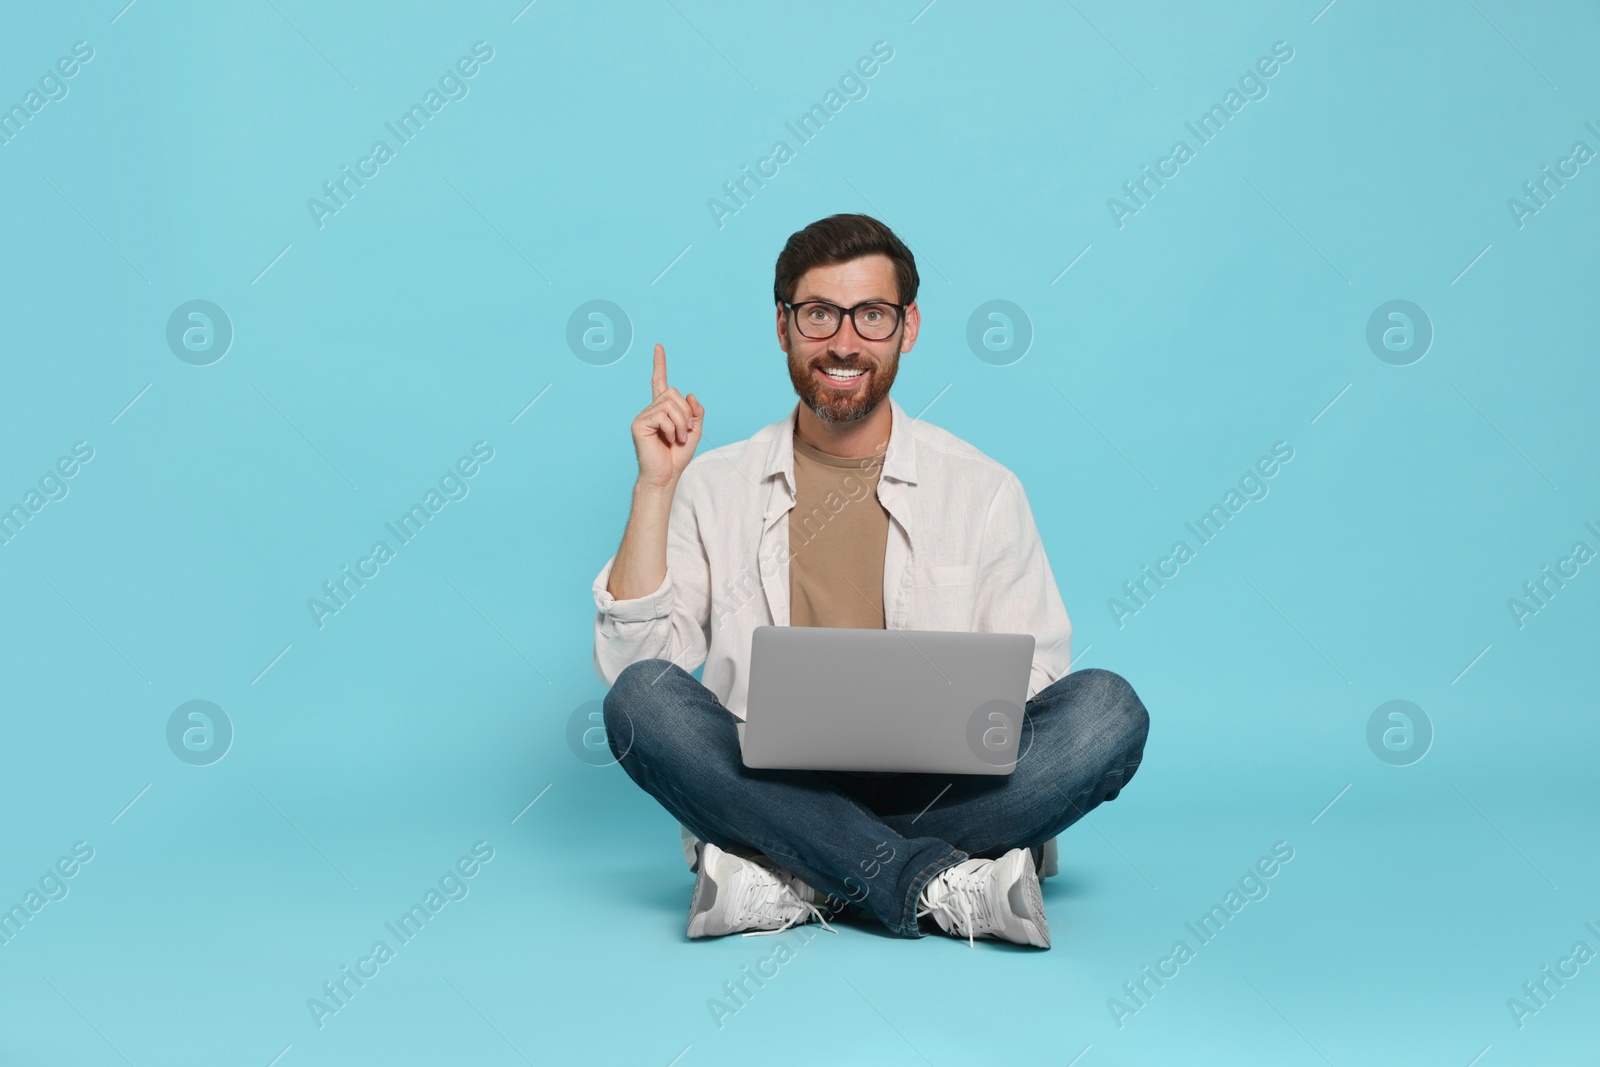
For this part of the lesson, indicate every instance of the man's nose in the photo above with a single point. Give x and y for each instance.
(847, 343)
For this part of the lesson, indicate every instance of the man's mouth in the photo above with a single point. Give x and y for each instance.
(843, 376)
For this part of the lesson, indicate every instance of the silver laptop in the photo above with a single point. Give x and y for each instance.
(838, 699)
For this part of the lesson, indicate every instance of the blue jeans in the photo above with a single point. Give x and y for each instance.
(874, 839)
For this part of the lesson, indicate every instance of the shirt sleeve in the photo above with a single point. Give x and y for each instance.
(669, 623)
(1016, 588)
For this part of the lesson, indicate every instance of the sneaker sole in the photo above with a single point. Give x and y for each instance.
(705, 889)
(1037, 928)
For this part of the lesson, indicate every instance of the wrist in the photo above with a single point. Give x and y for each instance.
(647, 491)
(655, 496)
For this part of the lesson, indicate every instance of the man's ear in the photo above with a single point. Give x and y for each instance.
(783, 329)
(913, 325)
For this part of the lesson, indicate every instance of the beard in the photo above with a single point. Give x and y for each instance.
(844, 406)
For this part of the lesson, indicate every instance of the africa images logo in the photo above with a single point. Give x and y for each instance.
(453, 85)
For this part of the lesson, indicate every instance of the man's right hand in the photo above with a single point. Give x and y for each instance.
(666, 433)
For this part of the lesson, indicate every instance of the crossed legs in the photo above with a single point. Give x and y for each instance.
(875, 841)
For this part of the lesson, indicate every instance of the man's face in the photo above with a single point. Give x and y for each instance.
(846, 399)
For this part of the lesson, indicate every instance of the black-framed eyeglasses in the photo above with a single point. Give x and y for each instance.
(820, 320)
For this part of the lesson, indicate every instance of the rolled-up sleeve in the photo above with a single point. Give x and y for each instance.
(1016, 588)
(669, 623)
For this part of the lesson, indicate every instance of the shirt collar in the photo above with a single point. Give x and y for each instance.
(899, 459)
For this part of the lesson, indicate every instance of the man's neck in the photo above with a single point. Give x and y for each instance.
(852, 440)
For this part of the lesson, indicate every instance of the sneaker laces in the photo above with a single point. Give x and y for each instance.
(764, 896)
(963, 896)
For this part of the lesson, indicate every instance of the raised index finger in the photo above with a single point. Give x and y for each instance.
(658, 376)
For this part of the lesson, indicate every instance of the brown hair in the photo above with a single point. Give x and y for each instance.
(839, 239)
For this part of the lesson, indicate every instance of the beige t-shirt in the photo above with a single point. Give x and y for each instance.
(837, 535)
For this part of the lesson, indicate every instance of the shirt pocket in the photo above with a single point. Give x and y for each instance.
(946, 574)
(945, 597)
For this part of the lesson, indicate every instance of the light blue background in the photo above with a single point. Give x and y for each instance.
(370, 354)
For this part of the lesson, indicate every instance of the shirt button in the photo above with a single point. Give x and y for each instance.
(766, 514)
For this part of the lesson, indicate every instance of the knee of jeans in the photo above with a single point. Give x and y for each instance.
(638, 710)
(630, 690)
(637, 680)
(1125, 713)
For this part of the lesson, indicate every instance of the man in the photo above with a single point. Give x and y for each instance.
(848, 512)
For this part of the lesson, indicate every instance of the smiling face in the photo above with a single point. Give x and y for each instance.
(844, 378)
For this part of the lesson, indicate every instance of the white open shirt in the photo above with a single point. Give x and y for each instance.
(963, 554)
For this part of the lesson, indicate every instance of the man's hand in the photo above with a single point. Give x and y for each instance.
(666, 433)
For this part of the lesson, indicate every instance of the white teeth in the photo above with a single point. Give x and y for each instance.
(843, 375)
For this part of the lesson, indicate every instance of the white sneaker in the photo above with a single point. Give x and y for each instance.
(989, 898)
(737, 895)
